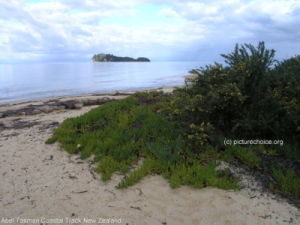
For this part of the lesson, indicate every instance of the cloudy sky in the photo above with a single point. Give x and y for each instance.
(162, 30)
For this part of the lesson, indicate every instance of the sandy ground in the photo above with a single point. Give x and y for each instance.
(43, 184)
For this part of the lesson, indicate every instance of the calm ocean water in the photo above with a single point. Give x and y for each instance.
(45, 80)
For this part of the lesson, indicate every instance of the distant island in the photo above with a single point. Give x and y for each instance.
(111, 58)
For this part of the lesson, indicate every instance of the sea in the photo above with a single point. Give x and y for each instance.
(31, 81)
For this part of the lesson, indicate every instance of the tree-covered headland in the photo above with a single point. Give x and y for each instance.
(111, 58)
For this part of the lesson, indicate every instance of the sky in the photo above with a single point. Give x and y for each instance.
(161, 30)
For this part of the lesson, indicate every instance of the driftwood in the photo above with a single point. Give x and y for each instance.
(138, 208)
(79, 192)
(57, 105)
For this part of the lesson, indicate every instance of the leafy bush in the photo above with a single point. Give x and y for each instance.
(284, 87)
(247, 98)
(287, 182)
(252, 97)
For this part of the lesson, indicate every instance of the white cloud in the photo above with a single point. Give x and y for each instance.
(225, 23)
(186, 29)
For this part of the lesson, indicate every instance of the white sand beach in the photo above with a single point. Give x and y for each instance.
(43, 184)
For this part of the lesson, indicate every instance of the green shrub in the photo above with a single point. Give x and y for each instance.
(231, 97)
(246, 155)
(285, 89)
(247, 98)
(287, 182)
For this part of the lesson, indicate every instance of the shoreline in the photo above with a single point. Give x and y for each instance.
(166, 89)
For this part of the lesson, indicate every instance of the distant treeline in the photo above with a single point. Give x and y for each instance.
(111, 58)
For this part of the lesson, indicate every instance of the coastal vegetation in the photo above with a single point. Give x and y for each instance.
(121, 133)
(246, 112)
(111, 58)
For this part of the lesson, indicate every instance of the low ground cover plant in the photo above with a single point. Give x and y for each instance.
(120, 133)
